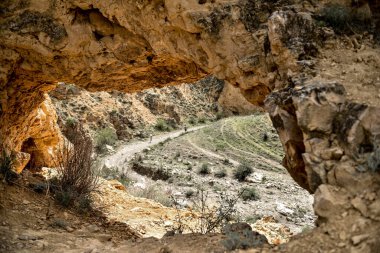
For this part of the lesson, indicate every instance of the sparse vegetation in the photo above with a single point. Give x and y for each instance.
(219, 115)
(209, 218)
(76, 178)
(152, 192)
(249, 193)
(162, 125)
(189, 193)
(306, 229)
(204, 169)
(202, 120)
(226, 161)
(252, 219)
(242, 172)
(71, 122)
(192, 121)
(243, 239)
(220, 173)
(106, 136)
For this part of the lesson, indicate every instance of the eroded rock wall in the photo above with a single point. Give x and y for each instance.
(332, 145)
(259, 46)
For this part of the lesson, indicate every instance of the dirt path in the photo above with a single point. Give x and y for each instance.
(126, 152)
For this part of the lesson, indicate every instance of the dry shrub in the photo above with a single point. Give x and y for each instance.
(205, 217)
(76, 177)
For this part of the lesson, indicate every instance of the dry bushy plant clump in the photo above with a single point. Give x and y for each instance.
(249, 193)
(206, 218)
(242, 172)
(204, 169)
(76, 177)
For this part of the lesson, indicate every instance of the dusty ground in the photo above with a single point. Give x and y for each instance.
(32, 222)
(119, 222)
(223, 146)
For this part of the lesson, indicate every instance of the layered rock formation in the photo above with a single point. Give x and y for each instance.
(259, 46)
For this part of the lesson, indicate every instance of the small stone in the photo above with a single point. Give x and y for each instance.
(358, 239)
(25, 202)
(69, 229)
(168, 223)
(23, 237)
(359, 204)
(93, 228)
(20, 245)
(343, 235)
(341, 244)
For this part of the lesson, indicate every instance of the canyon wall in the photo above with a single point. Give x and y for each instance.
(331, 143)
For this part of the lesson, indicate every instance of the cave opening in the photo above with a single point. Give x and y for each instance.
(29, 146)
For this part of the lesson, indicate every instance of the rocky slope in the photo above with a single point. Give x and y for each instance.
(134, 115)
(286, 47)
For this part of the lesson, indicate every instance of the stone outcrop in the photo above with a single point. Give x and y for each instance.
(332, 148)
(32, 133)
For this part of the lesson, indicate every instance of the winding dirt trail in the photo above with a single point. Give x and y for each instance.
(126, 152)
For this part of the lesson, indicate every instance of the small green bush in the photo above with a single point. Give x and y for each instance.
(192, 121)
(219, 115)
(226, 161)
(189, 167)
(220, 146)
(253, 219)
(71, 122)
(249, 193)
(189, 193)
(204, 169)
(202, 120)
(162, 125)
(106, 136)
(66, 197)
(242, 172)
(221, 173)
